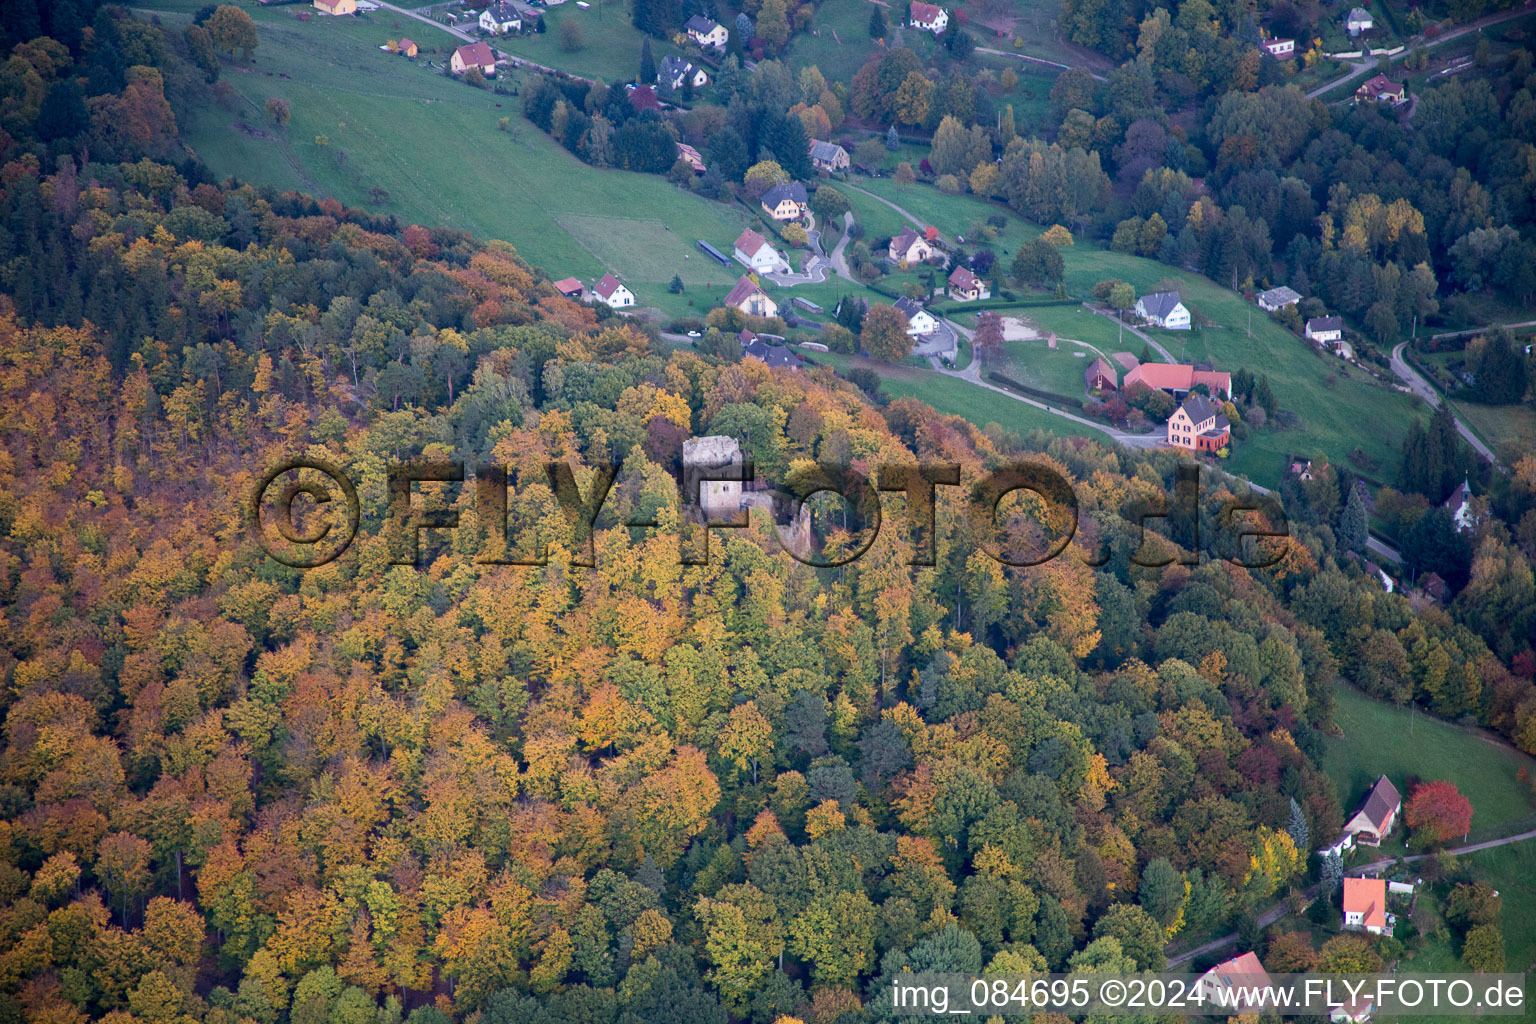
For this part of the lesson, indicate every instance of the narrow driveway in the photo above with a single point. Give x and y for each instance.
(1427, 391)
(1037, 60)
(839, 259)
(1277, 911)
(1143, 335)
(916, 222)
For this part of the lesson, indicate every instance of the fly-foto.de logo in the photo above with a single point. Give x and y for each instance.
(307, 512)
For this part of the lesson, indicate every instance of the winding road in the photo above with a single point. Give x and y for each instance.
(1277, 911)
(1143, 335)
(1427, 391)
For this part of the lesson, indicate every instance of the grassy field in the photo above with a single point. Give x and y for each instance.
(1381, 739)
(960, 398)
(434, 146)
(1059, 370)
(611, 43)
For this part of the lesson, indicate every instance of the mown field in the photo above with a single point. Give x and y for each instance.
(362, 118)
(1381, 739)
(1059, 370)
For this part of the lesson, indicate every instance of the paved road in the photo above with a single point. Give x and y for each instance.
(839, 260)
(1482, 330)
(916, 222)
(1277, 911)
(1365, 64)
(1143, 335)
(1427, 391)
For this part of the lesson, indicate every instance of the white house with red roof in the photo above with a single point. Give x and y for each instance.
(612, 291)
(753, 250)
(1231, 978)
(1365, 906)
(929, 17)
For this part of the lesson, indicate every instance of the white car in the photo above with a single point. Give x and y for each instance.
(694, 334)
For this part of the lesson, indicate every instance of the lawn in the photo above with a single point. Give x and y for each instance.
(610, 42)
(1381, 739)
(961, 398)
(362, 118)
(1058, 370)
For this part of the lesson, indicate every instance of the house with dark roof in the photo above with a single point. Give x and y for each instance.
(1199, 426)
(919, 320)
(1358, 20)
(772, 355)
(1459, 505)
(1277, 298)
(750, 299)
(613, 292)
(1279, 48)
(1165, 309)
(1377, 814)
(910, 246)
(828, 156)
(1382, 89)
(785, 202)
(1325, 329)
(673, 73)
(705, 32)
(1100, 376)
(501, 18)
(474, 55)
(965, 286)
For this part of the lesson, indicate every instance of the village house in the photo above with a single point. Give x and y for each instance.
(750, 299)
(1358, 20)
(1302, 469)
(499, 19)
(1374, 820)
(919, 320)
(611, 291)
(1381, 89)
(753, 250)
(705, 32)
(1240, 973)
(336, 6)
(772, 355)
(785, 202)
(929, 17)
(406, 48)
(1365, 906)
(1199, 426)
(690, 156)
(1325, 329)
(674, 73)
(1277, 298)
(965, 286)
(1100, 376)
(1280, 48)
(1179, 379)
(910, 247)
(569, 287)
(1165, 310)
(829, 157)
(475, 55)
